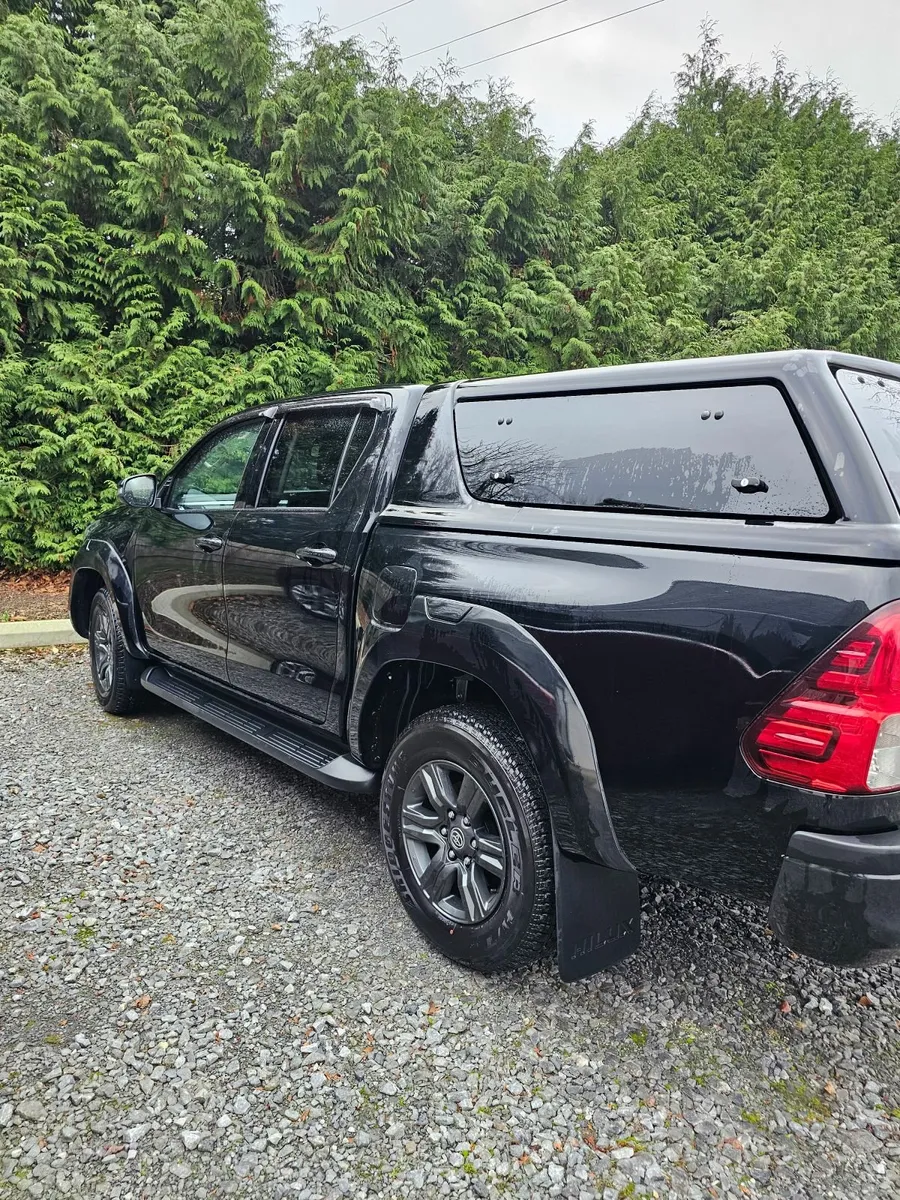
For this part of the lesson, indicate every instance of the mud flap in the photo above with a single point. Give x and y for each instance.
(598, 915)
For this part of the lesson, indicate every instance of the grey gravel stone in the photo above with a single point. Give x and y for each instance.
(32, 1110)
(208, 988)
(864, 1142)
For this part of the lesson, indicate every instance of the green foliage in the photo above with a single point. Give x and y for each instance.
(192, 223)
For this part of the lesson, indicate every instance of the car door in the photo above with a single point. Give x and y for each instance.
(179, 550)
(291, 561)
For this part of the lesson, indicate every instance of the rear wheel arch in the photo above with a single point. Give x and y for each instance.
(405, 689)
(498, 661)
(425, 664)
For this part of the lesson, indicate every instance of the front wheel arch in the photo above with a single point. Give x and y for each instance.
(99, 564)
(86, 583)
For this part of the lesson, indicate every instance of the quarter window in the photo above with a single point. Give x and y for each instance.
(306, 459)
(211, 477)
(725, 451)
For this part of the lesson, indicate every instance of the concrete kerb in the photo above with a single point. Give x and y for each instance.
(22, 635)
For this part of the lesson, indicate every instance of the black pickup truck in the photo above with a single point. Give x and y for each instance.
(575, 627)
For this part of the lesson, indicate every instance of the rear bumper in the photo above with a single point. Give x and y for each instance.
(838, 897)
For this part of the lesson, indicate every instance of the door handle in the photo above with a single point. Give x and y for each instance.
(209, 544)
(317, 556)
(749, 485)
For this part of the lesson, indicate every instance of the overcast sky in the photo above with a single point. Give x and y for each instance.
(605, 74)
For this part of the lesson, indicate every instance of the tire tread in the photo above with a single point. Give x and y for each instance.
(506, 745)
(124, 698)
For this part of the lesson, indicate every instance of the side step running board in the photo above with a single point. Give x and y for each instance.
(277, 740)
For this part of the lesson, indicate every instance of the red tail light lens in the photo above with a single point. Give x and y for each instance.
(836, 728)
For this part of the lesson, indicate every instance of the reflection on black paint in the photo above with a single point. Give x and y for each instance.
(671, 654)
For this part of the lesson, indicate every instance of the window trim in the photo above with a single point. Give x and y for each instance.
(833, 513)
(167, 484)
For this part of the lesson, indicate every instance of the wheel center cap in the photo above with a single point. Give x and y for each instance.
(457, 838)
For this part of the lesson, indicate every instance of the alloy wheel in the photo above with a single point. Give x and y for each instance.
(102, 648)
(453, 841)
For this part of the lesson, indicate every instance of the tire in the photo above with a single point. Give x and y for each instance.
(481, 911)
(114, 671)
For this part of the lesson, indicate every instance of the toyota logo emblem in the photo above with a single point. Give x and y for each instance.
(457, 839)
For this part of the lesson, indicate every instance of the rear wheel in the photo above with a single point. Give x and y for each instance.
(114, 671)
(467, 838)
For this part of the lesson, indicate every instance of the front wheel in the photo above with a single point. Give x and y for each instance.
(114, 671)
(467, 837)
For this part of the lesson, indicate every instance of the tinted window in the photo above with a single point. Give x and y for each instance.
(876, 402)
(359, 439)
(211, 476)
(733, 451)
(305, 462)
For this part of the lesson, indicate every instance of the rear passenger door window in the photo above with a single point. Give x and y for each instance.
(303, 470)
(731, 451)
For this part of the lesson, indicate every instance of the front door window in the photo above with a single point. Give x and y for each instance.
(211, 477)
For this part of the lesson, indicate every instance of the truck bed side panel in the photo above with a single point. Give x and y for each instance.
(671, 654)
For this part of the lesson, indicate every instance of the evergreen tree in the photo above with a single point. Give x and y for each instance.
(193, 222)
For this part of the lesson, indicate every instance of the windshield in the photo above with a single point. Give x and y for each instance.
(876, 401)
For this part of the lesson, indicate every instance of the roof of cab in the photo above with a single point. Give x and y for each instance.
(408, 394)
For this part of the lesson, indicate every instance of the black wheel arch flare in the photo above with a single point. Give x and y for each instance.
(598, 898)
(98, 564)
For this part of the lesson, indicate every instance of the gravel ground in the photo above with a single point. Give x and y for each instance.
(208, 988)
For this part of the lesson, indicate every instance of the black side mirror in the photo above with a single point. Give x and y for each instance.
(138, 491)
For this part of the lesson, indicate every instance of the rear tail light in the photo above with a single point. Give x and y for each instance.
(836, 728)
